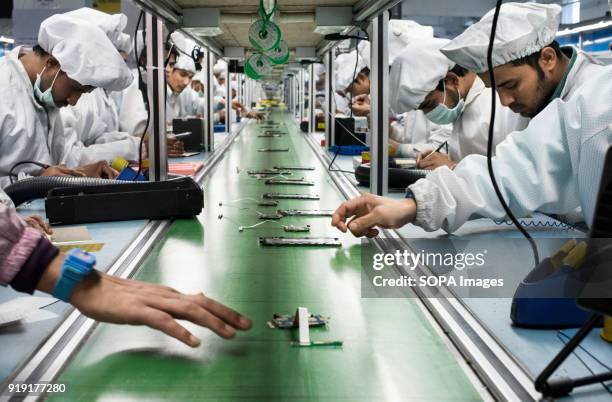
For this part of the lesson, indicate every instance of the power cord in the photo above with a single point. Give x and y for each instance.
(12, 175)
(145, 95)
(490, 140)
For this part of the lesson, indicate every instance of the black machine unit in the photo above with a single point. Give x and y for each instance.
(176, 198)
(344, 131)
(194, 142)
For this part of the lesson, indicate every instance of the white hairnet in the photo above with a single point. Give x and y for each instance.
(111, 24)
(124, 43)
(220, 67)
(401, 34)
(199, 76)
(416, 72)
(84, 52)
(344, 71)
(522, 29)
(186, 63)
(178, 40)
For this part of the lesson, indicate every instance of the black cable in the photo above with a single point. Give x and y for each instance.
(561, 335)
(12, 175)
(490, 140)
(145, 97)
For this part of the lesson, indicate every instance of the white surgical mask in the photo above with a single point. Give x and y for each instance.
(442, 114)
(46, 98)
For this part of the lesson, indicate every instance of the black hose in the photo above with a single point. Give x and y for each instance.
(38, 187)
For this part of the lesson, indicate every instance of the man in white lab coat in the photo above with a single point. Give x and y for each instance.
(426, 80)
(91, 127)
(72, 58)
(551, 166)
(181, 100)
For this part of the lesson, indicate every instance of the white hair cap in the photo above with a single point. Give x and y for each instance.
(416, 72)
(186, 63)
(112, 25)
(84, 53)
(522, 29)
(345, 72)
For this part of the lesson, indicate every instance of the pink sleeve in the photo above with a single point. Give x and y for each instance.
(17, 241)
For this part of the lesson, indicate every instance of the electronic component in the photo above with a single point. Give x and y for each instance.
(263, 203)
(296, 228)
(300, 241)
(294, 168)
(290, 182)
(268, 172)
(287, 321)
(267, 216)
(283, 196)
(273, 150)
(305, 212)
(269, 136)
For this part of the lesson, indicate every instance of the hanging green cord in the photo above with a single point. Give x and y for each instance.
(262, 11)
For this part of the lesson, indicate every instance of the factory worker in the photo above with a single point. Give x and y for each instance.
(72, 57)
(426, 80)
(352, 74)
(91, 127)
(551, 166)
(130, 102)
(197, 83)
(181, 101)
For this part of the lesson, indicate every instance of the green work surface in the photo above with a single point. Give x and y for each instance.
(390, 352)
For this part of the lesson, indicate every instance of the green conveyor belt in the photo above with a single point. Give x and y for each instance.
(390, 353)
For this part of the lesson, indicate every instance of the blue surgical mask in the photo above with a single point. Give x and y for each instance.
(442, 114)
(46, 98)
(201, 94)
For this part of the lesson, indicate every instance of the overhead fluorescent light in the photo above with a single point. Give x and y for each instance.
(202, 21)
(584, 28)
(332, 19)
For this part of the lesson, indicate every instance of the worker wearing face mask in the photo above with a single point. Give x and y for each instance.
(409, 131)
(552, 166)
(72, 57)
(91, 127)
(448, 94)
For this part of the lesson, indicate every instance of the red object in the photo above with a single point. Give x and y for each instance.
(185, 168)
(322, 142)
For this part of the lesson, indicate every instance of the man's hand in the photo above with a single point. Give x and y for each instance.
(367, 211)
(100, 169)
(361, 105)
(60, 170)
(237, 106)
(39, 224)
(123, 301)
(431, 160)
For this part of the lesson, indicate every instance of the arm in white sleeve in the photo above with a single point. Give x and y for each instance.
(533, 171)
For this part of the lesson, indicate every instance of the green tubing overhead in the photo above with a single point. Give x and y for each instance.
(280, 54)
(264, 35)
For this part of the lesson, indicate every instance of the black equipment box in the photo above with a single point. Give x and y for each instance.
(193, 142)
(344, 131)
(176, 198)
